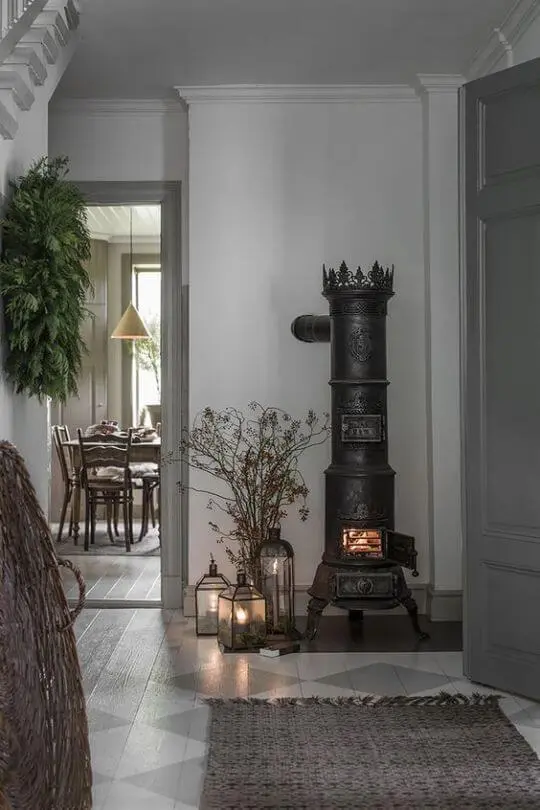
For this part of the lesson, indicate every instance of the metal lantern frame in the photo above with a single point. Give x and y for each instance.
(241, 617)
(278, 585)
(210, 584)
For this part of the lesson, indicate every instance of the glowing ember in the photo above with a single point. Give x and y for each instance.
(365, 542)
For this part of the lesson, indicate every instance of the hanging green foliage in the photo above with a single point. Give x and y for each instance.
(44, 281)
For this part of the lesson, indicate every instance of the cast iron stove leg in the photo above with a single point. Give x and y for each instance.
(412, 609)
(314, 610)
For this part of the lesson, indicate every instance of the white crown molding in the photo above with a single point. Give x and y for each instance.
(503, 38)
(295, 93)
(105, 107)
(100, 236)
(440, 82)
(137, 239)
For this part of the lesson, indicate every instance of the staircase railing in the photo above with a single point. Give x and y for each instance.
(16, 17)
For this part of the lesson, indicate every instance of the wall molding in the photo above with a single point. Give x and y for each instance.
(115, 239)
(444, 606)
(509, 32)
(440, 82)
(301, 597)
(296, 93)
(111, 107)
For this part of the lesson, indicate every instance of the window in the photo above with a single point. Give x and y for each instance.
(146, 293)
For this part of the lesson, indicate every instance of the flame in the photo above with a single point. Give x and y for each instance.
(241, 615)
(275, 566)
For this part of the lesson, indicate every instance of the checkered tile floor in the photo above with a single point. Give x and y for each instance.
(148, 722)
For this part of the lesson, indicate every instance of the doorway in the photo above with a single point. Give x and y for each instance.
(136, 259)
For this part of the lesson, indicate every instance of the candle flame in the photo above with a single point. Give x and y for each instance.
(241, 615)
(275, 568)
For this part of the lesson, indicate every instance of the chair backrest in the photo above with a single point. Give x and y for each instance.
(98, 455)
(61, 435)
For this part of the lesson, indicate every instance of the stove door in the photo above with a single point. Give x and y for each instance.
(400, 549)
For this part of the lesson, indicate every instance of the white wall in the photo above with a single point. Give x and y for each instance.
(119, 140)
(275, 191)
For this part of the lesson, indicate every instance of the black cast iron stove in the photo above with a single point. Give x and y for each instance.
(363, 560)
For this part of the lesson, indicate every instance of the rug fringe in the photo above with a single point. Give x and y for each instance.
(440, 699)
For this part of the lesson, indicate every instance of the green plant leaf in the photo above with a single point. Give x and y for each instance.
(44, 281)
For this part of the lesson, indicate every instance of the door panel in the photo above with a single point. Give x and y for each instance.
(505, 630)
(501, 355)
(511, 396)
(90, 406)
(509, 147)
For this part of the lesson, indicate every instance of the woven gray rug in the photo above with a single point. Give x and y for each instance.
(446, 752)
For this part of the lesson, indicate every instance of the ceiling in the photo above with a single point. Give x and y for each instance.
(112, 222)
(144, 48)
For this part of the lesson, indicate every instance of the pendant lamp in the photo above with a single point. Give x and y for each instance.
(131, 326)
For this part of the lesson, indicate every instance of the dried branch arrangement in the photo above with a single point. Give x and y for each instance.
(255, 460)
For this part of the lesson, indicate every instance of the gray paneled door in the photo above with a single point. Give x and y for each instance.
(501, 354)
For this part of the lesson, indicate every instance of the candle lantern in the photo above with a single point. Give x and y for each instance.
(207, 591)
(241, 617)
(276, 558)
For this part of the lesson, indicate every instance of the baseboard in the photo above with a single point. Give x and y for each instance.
(301, 597)
(444, 606)
(172, 593)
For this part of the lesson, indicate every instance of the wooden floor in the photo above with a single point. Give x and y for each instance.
(116, 579)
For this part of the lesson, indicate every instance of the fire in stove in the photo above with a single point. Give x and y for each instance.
(367, 543)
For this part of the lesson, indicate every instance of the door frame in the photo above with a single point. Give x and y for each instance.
(174, 365)
(463, 333)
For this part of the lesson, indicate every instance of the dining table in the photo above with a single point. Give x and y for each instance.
(142, 452)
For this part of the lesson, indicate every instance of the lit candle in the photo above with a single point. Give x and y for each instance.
(275, 593)
(241, 615)
(212, 602)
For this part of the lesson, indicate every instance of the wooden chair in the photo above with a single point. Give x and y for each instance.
(61, 435)
(149, 483)
(106, 479)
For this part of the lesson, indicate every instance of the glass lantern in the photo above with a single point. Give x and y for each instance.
(207, 591)
(276, 558)
(241, 617)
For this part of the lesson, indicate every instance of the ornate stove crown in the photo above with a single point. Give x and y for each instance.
(377, 279)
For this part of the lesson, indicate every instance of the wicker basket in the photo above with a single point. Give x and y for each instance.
(44, 750)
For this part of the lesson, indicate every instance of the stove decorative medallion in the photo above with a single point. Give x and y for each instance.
(363, 560)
